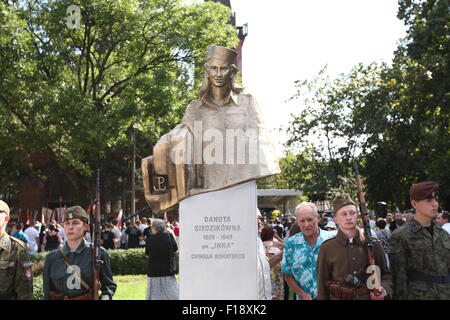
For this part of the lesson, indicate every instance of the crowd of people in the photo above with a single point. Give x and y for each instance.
(66, 242)
(324, 256)
(309, 256)
(39, 237)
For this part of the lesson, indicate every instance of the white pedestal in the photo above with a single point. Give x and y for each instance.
(218, 250)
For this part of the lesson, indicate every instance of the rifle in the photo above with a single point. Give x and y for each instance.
(95, 232)
(367, 234)
(137, 213)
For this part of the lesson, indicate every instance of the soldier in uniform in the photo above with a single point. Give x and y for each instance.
(343, 260)
(420, 250)
(68, 273)
(16, 276)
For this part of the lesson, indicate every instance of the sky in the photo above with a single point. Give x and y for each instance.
(291, 40)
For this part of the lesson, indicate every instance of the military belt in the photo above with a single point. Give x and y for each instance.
(343, 292)
(55, 295)
(418, 276)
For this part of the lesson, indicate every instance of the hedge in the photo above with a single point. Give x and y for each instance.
(123, 262)
(38, 288)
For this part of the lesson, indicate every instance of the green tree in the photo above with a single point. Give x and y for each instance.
(394, 120)
(76, 95)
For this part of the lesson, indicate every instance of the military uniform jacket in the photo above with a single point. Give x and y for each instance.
(339, 258)
(60, 278)
(414, 250)
(16, 276)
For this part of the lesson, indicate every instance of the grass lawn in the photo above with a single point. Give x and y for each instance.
(132, 287)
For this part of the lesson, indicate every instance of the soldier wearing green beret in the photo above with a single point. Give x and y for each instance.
(68, 271)
(16, 276)
(420, 250)
(343, 261)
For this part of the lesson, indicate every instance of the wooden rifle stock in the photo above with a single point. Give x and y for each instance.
(366, 222)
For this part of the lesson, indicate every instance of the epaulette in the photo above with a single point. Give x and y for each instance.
(51, 253)
(20, 242)
(325, 241)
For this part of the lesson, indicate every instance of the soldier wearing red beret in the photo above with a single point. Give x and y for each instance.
(420, 250)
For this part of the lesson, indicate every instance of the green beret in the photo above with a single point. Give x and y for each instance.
(76, 212)
(342, 201)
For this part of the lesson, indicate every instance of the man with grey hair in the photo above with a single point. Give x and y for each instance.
(17, 284)
(301, 252)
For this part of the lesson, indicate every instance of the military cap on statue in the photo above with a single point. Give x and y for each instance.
(76, 212)
(424, 190)
(4, 207)
(342, 201)
(221, 53)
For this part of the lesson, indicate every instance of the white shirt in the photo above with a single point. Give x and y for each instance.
(117, 234)
(446, 227)
(32, 234)
(62, 235)
(142, 227)
(264, 284)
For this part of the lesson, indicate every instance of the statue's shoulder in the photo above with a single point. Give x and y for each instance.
(192, 107)
(194, 104)
(246, 96)
(250, 101)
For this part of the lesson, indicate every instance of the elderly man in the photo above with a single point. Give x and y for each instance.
(343, 261)
(16, 276)
(301, 251)
(420, 251)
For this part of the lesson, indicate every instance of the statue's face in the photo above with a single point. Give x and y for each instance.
(219, 72)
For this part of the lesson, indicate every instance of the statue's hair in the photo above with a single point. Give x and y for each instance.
(205, 83)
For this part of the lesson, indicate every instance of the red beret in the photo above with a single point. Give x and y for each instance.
(424, 190)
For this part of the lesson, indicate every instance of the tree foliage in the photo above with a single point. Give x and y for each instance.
(76, 95)
(393, 119)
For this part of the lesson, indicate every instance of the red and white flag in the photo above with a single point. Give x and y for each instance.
(119, 219)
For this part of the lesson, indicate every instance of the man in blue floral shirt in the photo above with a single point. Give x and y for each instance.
(301, 252)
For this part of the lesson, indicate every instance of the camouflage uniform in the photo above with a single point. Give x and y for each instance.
(420, 262)
(16, 276)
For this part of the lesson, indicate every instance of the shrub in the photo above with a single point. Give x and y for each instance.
(38, 288)
(123, 262)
